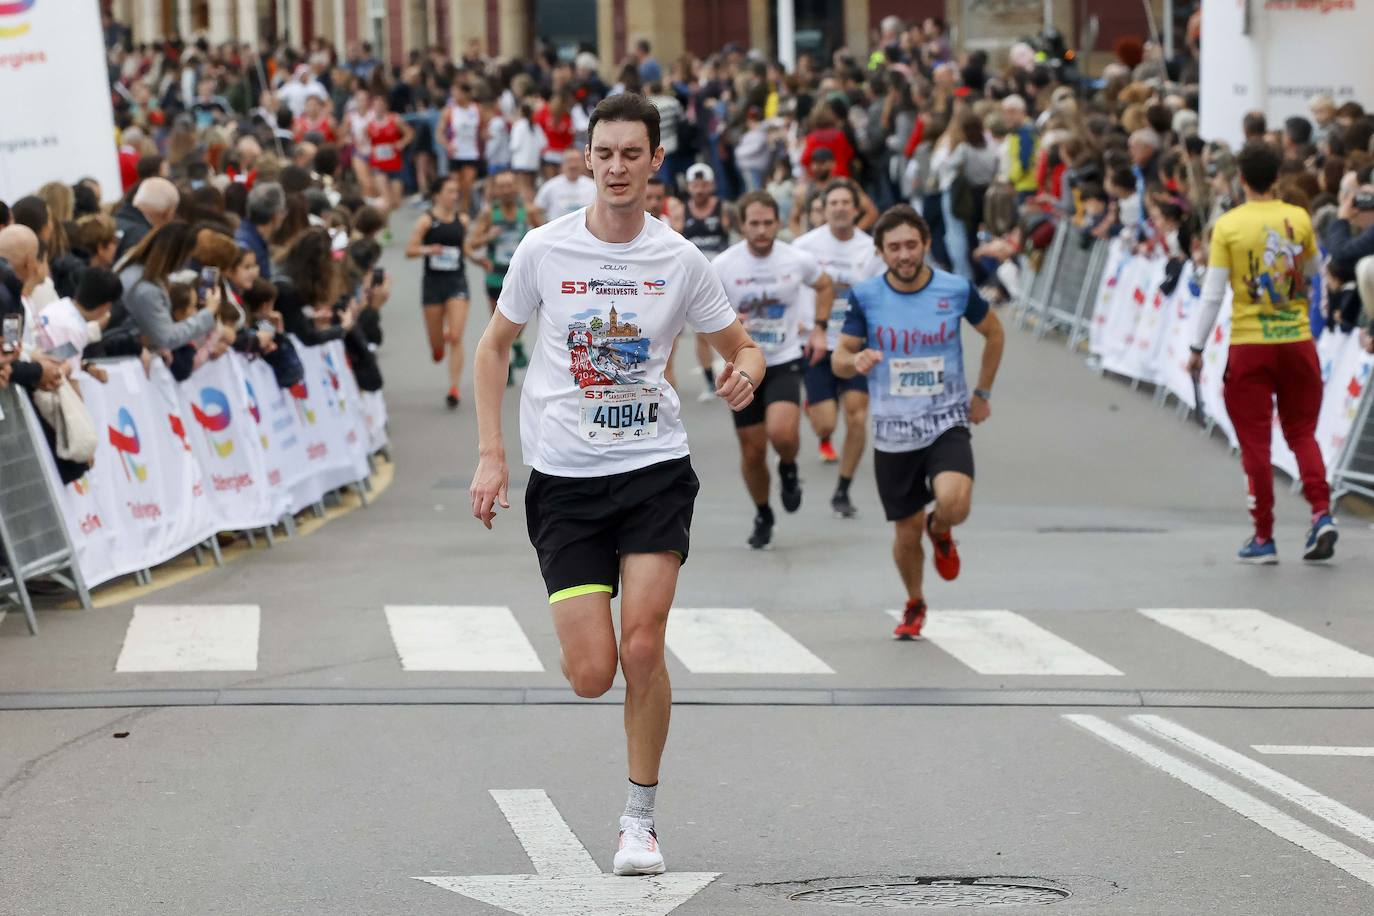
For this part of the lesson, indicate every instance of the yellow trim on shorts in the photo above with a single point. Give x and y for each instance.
(578, 590)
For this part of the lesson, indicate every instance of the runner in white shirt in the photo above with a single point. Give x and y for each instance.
(609, 500)
(765, 280)
(568, 191)
(847, 254)
(460, 128)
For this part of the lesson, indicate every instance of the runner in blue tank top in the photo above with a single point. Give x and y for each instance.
(902, 331)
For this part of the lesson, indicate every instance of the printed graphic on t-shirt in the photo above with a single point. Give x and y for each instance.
(607, 349)
(765, 318)
(1274, 276)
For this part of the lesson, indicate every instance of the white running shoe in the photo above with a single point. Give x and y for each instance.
(707, 395)
(638, 853)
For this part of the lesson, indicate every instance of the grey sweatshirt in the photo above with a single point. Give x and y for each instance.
(151, 310)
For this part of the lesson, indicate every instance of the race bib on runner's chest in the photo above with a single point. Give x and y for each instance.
(383, 152)
(767, 331)
(619, 413)
(916, 377)
(449, 258)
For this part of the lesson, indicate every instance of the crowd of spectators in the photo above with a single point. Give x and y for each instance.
(284, 165)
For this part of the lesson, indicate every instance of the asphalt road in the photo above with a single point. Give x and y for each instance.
(1084, 717)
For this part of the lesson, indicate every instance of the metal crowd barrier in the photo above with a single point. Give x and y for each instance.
(1037, 293)
(32, 533)
(1354, 472)
(1061, 294)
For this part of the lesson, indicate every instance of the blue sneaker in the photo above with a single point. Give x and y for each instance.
(1257, 554)
(1321, 540)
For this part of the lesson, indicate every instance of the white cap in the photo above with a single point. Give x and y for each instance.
(700, 170)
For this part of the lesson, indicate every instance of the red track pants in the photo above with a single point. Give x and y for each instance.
(1255, 375)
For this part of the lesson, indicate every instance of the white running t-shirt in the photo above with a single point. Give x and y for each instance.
(594, 401)
(559, 196)
(847, 263)
(767, 294)
(463, 125)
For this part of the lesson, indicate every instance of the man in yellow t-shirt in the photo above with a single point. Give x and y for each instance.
(1265, 250)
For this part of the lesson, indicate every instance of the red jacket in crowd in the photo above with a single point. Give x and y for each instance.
(833, 139)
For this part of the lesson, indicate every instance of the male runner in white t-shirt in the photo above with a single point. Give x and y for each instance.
(610, 497)
(846, 253)
(764, 279)
(568, 191)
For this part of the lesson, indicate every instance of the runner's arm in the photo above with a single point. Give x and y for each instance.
(994, 340)
(413, 248)
(742, 357)
(825, 297)
(479, 236)
(535, 215)
(842, 361)
(868, 212)
(490, 363)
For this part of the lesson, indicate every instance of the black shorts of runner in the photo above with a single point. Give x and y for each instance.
(439, 286)
(479, 165)
(906, 480)
(495, 282)
(780, 383)
(581, 526)
(822, 384)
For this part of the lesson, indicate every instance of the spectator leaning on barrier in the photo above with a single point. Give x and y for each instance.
(1266, 251)
(145, 272)
(308, 287)
(154, 203)
(1350, 236)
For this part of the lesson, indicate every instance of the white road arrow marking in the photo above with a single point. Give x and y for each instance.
(567, 881)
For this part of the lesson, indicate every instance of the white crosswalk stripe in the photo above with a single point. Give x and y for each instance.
(737, 641)
(460, 638)
(191, 637)
(1004, 642)
(1263, 641)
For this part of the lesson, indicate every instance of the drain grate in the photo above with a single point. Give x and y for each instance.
(920, 893)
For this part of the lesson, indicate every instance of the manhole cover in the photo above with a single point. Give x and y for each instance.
(917, 893)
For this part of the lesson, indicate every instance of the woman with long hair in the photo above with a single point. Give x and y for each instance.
(966, 166)
(146, 271)
(438, 238)
(309, 287)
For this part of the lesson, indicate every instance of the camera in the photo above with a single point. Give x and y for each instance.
(378, 276)
(1364, 200)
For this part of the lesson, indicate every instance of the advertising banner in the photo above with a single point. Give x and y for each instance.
(223, 451)
(58, 123)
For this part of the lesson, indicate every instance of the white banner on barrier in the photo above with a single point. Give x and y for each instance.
(1140, 334)
(226, 443)
(224, 450)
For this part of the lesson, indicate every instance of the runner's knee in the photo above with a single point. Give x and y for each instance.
(641, 654)
(589, 678)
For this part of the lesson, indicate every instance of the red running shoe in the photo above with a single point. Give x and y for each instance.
(913, 618)
(946, 553)
(828, 452)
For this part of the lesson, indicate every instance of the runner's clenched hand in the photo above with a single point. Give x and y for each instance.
(866, 360)
(734, 388)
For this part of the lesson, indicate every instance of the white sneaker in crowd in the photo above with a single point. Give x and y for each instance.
(707, 395)
(638, 853)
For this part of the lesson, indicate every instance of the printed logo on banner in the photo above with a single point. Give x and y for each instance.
(214, 417)
(10, 25)
(334, 388)
(300, 394)
(125, 440)
(255, 411)
(179, 430)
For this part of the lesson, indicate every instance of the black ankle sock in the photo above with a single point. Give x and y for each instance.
(787, 470)
(710, 376)
(843, 485)
(765, 511)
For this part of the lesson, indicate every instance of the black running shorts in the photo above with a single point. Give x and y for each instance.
(906, 479)
(581, 526)
(437, 287)
(780, 383)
